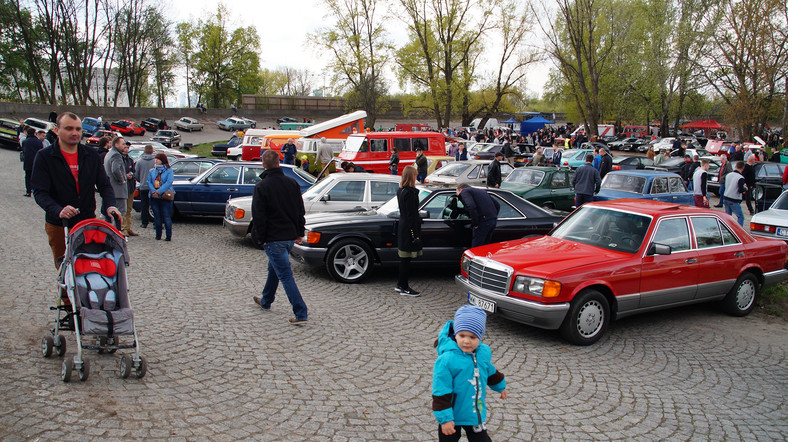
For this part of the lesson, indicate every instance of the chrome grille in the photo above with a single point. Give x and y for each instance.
(229, 211)
(490, 275)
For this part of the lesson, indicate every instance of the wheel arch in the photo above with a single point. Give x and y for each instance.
(605, 290)
(756, 271)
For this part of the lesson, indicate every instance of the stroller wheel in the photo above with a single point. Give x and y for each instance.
(84, 371)
(65, 369)
(125, 366)
(141, 368)
(47, 344)
(60, 345)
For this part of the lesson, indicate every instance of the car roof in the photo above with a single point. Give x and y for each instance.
(653, 208)
(542, 168)
(646, 173)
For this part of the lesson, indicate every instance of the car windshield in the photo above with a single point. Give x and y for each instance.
(122, 123)
(392, 206)
(317, 189)
(782, 202)
(304, 175)
(451, 170)
(526, 176)
(605, 228)
(624, 183)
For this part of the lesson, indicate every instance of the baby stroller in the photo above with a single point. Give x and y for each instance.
(93, 275)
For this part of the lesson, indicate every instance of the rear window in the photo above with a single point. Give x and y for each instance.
(624, 183)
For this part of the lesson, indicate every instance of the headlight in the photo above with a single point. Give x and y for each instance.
(537, 287)
(465, 264)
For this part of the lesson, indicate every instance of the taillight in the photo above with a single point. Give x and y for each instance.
(136, 193)
(616, 167)
(762, 227)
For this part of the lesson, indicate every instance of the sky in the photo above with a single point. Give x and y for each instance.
(283, 27)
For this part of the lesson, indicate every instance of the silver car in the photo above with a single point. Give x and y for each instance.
(336, 193)
(188, 124)
(472, 172)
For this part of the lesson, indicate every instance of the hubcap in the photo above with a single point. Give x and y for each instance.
(745, 295)
(351, 262)
(590, 318)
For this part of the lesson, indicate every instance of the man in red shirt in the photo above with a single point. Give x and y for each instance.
(64, 180)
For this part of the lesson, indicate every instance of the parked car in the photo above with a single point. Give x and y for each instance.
(93, 140)
(126, 127)
(644, 184)
(188, 168)
(286, 120)
(338, 192)
(618, 258)
(9, 133)
(486, 153)
(154, 124)
(188, 124)
(136, 150)
(207, 194)
(547, 187)
(220, 149)
(471, 171)
(350, 244)
(39, 124)
(91, 125)
(621, 162)
(252, 123)
(233, 123)
(768, 183)
(772, 223)
(574, 158)
(523, 154)
(169, 138)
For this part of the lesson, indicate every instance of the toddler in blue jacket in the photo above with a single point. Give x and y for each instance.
(461, 374)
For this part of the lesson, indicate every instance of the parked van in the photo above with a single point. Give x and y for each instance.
(373, 150)
(412, 127)
(252, 137)
(604, 130)
(275, 140)
(491, 123)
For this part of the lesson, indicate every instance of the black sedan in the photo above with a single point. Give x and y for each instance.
(350, 244)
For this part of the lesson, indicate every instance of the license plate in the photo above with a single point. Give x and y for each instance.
(481, 303)
(782, 232)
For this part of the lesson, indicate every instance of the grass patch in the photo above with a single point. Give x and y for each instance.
(774, 300)
(204, 149)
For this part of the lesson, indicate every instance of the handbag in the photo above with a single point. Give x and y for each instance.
(168, 195)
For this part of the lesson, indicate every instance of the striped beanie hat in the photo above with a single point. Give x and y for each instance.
(471, 319)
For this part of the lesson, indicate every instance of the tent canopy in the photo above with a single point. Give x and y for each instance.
(533, 125)
(703, 125)
(511, 120)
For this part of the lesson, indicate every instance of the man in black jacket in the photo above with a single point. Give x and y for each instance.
(30, 148)
(277, 223)
(483, 210)
(606, 163)
(494, 173)
(65, 178)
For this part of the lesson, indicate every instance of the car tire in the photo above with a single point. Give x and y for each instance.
(740, 300)
(587, 319)
(349, 261)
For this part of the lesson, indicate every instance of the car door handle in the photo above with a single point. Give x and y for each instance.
(232, 189)
(691, 261)
(738, 254)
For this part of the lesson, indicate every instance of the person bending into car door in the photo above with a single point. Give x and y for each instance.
(64, 181)
(483, 210)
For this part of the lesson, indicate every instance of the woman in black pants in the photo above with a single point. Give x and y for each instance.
(408, 228)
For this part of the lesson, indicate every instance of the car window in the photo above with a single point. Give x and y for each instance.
(452, 170)
(252, 174)
(421, 143)
(506, 210)
(526, 176)
(707, 232)
(728, 238)
(770, 170)
(379, 145)
(224, 175)
(186, 168)
(659, 185)
(483, 171)
(446, 205)
(559, 180)
(347, 191)
(676, 184)
(624, 183)
(402, 144)
(673, 233)
(383, 191)
(506, 168)
(473, 174)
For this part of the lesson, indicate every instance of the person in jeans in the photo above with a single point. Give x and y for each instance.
(725, 169)
(735, 186)
(160, 180)
(145, 163)
(277, 223)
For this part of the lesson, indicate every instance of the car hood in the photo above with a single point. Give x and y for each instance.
(544, 256)
(317, 220)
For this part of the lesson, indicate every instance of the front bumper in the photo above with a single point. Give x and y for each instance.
(547, 316)
(310, 256)
(237, 228)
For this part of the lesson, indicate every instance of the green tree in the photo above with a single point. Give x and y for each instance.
(359, 51)
(186, 35)
(227, 63)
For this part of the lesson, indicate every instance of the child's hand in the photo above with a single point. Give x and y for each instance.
(504, 394)
(448, 428)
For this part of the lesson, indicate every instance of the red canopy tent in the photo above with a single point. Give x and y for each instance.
(703, 125)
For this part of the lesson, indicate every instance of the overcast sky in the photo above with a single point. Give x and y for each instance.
(283, 26)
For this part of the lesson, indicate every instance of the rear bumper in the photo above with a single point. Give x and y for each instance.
(547, 316)
(774, 278)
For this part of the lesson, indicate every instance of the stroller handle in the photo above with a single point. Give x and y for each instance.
(116, 221)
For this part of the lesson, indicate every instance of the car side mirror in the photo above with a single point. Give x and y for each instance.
(423, 214)
(325, 198)
(658, 249)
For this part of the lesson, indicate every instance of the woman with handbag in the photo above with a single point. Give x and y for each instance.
(161, 195)
(408, 228)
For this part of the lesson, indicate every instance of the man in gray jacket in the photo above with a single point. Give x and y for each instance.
(116, 171)
(145, 163)
(586, 182)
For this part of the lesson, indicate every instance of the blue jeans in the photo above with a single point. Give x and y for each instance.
(278, 253)
(722, 191)
(582, 198)
(734, 208)
(162, 213)
(482, 234)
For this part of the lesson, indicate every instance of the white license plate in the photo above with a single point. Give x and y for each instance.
(481, 303)
(782, 232)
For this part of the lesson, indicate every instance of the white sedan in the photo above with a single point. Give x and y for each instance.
(338, 192)
(772, 223)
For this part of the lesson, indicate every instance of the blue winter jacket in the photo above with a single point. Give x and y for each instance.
(167, 176)
(456, 395)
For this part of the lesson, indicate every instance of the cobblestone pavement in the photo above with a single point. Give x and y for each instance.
(220, 368)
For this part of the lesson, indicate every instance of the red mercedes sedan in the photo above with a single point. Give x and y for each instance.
(126, 127)
(618, 258)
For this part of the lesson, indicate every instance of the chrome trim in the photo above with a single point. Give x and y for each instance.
(775, 277)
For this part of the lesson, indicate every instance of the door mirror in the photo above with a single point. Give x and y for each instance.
(658, 249)
(423, 214)
(325, 198)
